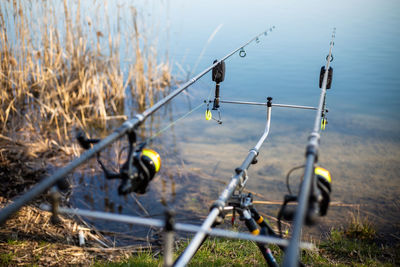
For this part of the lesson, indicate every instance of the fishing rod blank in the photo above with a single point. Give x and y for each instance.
(126, 127)
(308, 185)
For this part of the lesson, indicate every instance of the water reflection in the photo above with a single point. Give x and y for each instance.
(199, 158)
(361, 146)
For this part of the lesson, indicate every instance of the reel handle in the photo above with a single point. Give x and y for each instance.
(85, 142)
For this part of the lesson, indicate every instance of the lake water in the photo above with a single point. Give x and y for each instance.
(361, 145)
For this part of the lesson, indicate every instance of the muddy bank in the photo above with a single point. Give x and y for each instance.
(30, 237)
(19, 168)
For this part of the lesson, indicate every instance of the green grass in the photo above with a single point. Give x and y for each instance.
(15, 242)
(214, 252)
(354, 245)
(6, 258)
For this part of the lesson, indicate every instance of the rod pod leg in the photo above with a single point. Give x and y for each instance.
(252, 226)
(266, 229)
(169, 239)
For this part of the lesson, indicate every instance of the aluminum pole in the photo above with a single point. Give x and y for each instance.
(177, 226)
(265, 104)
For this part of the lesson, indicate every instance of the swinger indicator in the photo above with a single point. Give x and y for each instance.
(208, 115)
(324, 122)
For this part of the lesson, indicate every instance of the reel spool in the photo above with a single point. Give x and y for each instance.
(318, 202)
(152, 160)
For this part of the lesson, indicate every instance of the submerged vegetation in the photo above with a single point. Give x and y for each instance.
(60, 69)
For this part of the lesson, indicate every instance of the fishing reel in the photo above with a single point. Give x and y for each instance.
(319, 200)
(139, 169)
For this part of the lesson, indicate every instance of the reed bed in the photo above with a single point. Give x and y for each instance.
(62, 68)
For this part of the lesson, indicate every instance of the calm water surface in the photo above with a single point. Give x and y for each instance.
(361, 146)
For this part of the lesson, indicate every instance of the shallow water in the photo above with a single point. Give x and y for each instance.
(361, 146)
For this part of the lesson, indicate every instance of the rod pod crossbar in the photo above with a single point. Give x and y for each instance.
(182, 227)
(127, 126)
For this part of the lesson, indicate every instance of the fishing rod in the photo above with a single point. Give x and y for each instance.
(127, 127)
(310, 191)
(318, 178)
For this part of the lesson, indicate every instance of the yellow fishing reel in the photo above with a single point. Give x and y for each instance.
(319, 203)
(140, 167)
(136, 174)
(324, 181)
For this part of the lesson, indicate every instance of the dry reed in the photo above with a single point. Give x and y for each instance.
(59, 71)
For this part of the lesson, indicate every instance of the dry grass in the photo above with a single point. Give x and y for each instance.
(60, 70)
(30, 238)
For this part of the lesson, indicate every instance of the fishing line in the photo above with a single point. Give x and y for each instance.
(288, 177)
(174, 122)
(181, 118)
